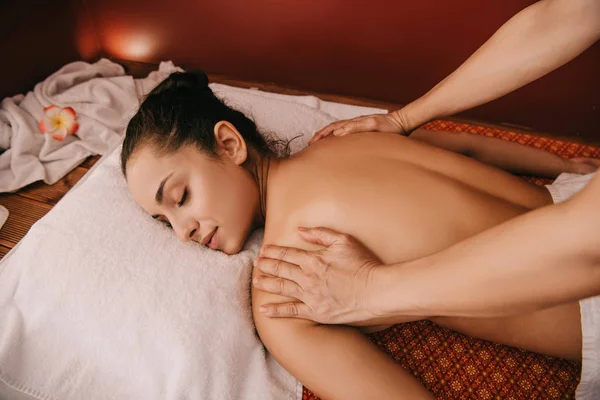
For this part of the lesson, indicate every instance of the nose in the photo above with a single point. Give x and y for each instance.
(186, 231)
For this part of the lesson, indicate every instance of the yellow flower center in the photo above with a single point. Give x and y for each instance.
(58, 122)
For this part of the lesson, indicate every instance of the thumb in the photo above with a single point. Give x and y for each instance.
(323, 236)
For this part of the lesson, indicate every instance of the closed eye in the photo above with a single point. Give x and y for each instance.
(181, 202)
(183, 198)
(165, 222)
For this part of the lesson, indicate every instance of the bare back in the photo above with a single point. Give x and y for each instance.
(403, 199)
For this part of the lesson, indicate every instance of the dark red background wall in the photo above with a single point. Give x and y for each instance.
(37, 38)
(391, 50)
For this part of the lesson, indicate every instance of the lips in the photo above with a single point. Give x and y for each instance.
(208, 238)
(214, 240)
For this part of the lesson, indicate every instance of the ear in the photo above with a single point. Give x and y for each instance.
(230, 143)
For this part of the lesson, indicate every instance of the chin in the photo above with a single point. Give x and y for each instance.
(232, 248)
(232, 252)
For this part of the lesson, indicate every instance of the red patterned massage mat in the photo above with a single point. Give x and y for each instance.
(454, 366)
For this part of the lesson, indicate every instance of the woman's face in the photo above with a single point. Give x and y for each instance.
(213, 201)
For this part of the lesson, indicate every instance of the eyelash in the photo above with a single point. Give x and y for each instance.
(180, 204)
(183, 198)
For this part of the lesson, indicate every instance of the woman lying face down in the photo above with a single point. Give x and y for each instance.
(202, 168)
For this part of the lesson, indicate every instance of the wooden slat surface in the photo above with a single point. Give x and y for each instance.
(52, 194)
(89, 162)
(15, 228)
(25, 207)
(3, 251)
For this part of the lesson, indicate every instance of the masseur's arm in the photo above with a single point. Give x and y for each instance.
(537, 40)
(509, 156)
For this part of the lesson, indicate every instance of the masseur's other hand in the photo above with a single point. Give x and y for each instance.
(331, 285)
(583, 165)
(393, 122)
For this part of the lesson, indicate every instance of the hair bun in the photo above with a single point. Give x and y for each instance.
(194, 79)
(200, 78)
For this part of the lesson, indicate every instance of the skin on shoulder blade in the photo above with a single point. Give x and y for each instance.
(384, 190)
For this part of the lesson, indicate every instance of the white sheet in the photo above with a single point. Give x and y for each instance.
(100, 302)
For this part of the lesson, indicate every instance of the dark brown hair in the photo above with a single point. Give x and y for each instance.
(183, 110)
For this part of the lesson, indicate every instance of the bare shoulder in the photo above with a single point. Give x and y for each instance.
(278, 334)
(291, 191)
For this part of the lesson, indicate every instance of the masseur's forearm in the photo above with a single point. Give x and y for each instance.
(544, 258)
(534, 42)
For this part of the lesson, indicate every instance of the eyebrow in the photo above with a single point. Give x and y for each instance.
(161, 188)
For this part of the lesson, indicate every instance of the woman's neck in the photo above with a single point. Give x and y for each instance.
(261, 172)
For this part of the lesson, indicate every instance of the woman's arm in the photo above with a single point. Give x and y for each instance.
(335, 362)
(534, 42)
(509, 156)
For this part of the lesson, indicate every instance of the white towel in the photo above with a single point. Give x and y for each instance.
(99, 301)
(563, 188)
(103, 98)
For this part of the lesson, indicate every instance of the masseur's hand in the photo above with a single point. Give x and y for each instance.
(393, 122)
(331, 285)
(582, 165)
